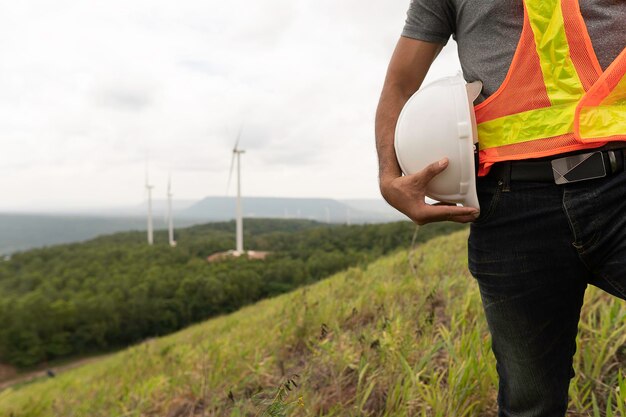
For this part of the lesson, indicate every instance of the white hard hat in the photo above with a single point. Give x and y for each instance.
(438, 122)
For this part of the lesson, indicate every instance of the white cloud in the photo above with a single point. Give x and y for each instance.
(90, 87)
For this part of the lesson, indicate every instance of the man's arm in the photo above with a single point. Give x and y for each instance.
(408, 67)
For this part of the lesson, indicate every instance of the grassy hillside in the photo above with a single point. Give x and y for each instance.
(389, 339)
(115, 290)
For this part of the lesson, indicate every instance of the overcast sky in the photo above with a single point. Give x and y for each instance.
(88, 89)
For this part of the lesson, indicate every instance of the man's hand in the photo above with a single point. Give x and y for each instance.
(407, 195)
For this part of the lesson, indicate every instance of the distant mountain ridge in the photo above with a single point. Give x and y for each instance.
(20, 232)
(25, 231)
(320, 209)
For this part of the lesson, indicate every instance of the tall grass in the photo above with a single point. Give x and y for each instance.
(387, 340)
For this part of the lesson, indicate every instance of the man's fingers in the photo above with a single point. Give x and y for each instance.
(424, 176)
(432, 170)
(443, 213)
(463, 219)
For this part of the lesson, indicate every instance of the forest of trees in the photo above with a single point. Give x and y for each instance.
(116, 290)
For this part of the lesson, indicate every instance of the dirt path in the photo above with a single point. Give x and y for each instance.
(9, 376)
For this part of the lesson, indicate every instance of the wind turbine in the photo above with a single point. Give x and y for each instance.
(149, 190)
(170, 218)
(237, 155)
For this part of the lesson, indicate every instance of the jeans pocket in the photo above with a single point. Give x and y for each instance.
(488, 198)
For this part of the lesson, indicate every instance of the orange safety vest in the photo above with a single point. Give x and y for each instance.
(555, 97)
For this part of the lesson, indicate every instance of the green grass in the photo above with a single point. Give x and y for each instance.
(388, 340)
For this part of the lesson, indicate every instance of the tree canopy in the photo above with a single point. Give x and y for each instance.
(116, 290)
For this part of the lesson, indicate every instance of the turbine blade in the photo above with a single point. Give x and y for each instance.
(238, 137)
(232, 161)
(230, 173)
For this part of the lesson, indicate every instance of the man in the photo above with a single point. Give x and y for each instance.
(554, 87)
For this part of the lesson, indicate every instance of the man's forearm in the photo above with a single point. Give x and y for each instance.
(407, 69)
(391, 102)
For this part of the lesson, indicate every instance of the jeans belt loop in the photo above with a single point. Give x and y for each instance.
(616, 160)
(506, 178)
(612, 161)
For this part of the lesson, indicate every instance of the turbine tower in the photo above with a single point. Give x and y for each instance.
(149, 190)
(239, 211)
(170, 218)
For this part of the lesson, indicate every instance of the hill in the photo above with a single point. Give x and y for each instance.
(403, 336)
(116, 290)
(19, 232)
(320, 209)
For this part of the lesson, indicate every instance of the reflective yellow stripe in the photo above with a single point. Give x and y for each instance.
(617, 96)
(562, 83)
(559, 74)
(529, 125)
(603, 121)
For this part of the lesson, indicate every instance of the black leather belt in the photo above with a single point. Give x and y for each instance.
(564, 168)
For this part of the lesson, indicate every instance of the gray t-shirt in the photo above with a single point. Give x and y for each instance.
(487, 32)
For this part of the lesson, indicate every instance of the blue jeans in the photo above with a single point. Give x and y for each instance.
(533, 250)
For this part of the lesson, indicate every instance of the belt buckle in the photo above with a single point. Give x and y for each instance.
(581, 167)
